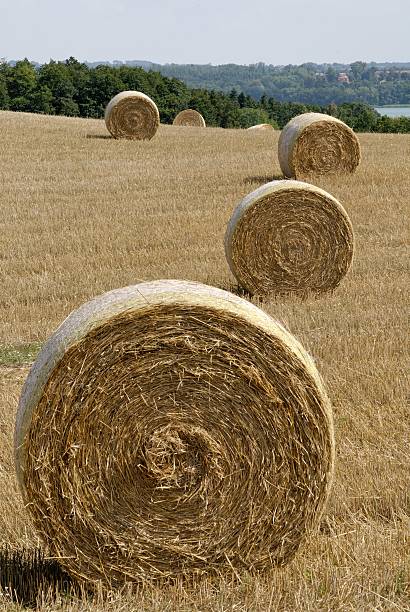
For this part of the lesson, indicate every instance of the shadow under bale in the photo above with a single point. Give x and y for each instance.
(100, 136)
(26, 574)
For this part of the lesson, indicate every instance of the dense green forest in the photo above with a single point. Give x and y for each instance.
(74, 89)
(374, 84)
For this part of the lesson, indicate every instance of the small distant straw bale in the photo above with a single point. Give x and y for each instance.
(315, 143)
(261, 127)
(189, 117)
(132, 115)
(289, 237)
(172, 428)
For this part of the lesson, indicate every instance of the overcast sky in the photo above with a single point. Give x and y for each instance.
(206, 31)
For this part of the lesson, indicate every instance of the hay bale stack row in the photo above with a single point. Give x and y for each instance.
(134, 116)
(171, 428)
(311, 143)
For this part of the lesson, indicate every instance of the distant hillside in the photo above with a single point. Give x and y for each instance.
(74, 89)
(375, 83)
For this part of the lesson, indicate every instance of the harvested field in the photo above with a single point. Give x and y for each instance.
(81, 214)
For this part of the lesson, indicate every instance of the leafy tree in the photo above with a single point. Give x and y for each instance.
(255, 89)
(72, 88)
(22, 80)
(242, 100)
(41, 101)
(252, 116)
(360, 117)
(103, 84)
(57, 78)
(68, 107)
(4, 94)
(357, 69)
(331, 75)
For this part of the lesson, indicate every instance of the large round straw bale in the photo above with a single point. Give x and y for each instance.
(314, 143)
(289, 237)
(189, 117)
(132, 115)
(261, 127)
(171, 428)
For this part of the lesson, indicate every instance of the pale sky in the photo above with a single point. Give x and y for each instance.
(209, 31)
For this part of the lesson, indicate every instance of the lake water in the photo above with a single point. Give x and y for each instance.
(393, 111)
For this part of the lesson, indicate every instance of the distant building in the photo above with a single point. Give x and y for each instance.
(343, 77)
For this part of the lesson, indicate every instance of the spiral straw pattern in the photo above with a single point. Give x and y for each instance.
(189, 117)
(289, 237)
(316, 144)
(132, 115)
(171, 428)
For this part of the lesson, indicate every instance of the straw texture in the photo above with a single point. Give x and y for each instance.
(314, 143)
(189, 117)
(261, 127)
(289, 237)
(172, 428)
(132, 115)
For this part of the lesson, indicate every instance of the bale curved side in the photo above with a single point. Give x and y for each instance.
(261, 127)
(189, 117)
(289, 237)
(172, 428)
(315, 143)
(132, 115)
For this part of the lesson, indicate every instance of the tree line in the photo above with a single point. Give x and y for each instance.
(373, 84)
(73, 89)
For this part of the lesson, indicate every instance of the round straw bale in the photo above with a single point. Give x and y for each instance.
(314, 143)
(289, 237)
(172, 428)
(261, 127)
(132, 115)
(189, 117)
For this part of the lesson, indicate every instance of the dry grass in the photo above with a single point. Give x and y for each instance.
(81, 213)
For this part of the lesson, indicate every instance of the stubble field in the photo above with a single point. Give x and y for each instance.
(81, 213)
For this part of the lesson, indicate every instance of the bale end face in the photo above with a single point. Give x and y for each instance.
(189, 118)
(172, 428)
(289, 237)
(317, 144)
(132, 115)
